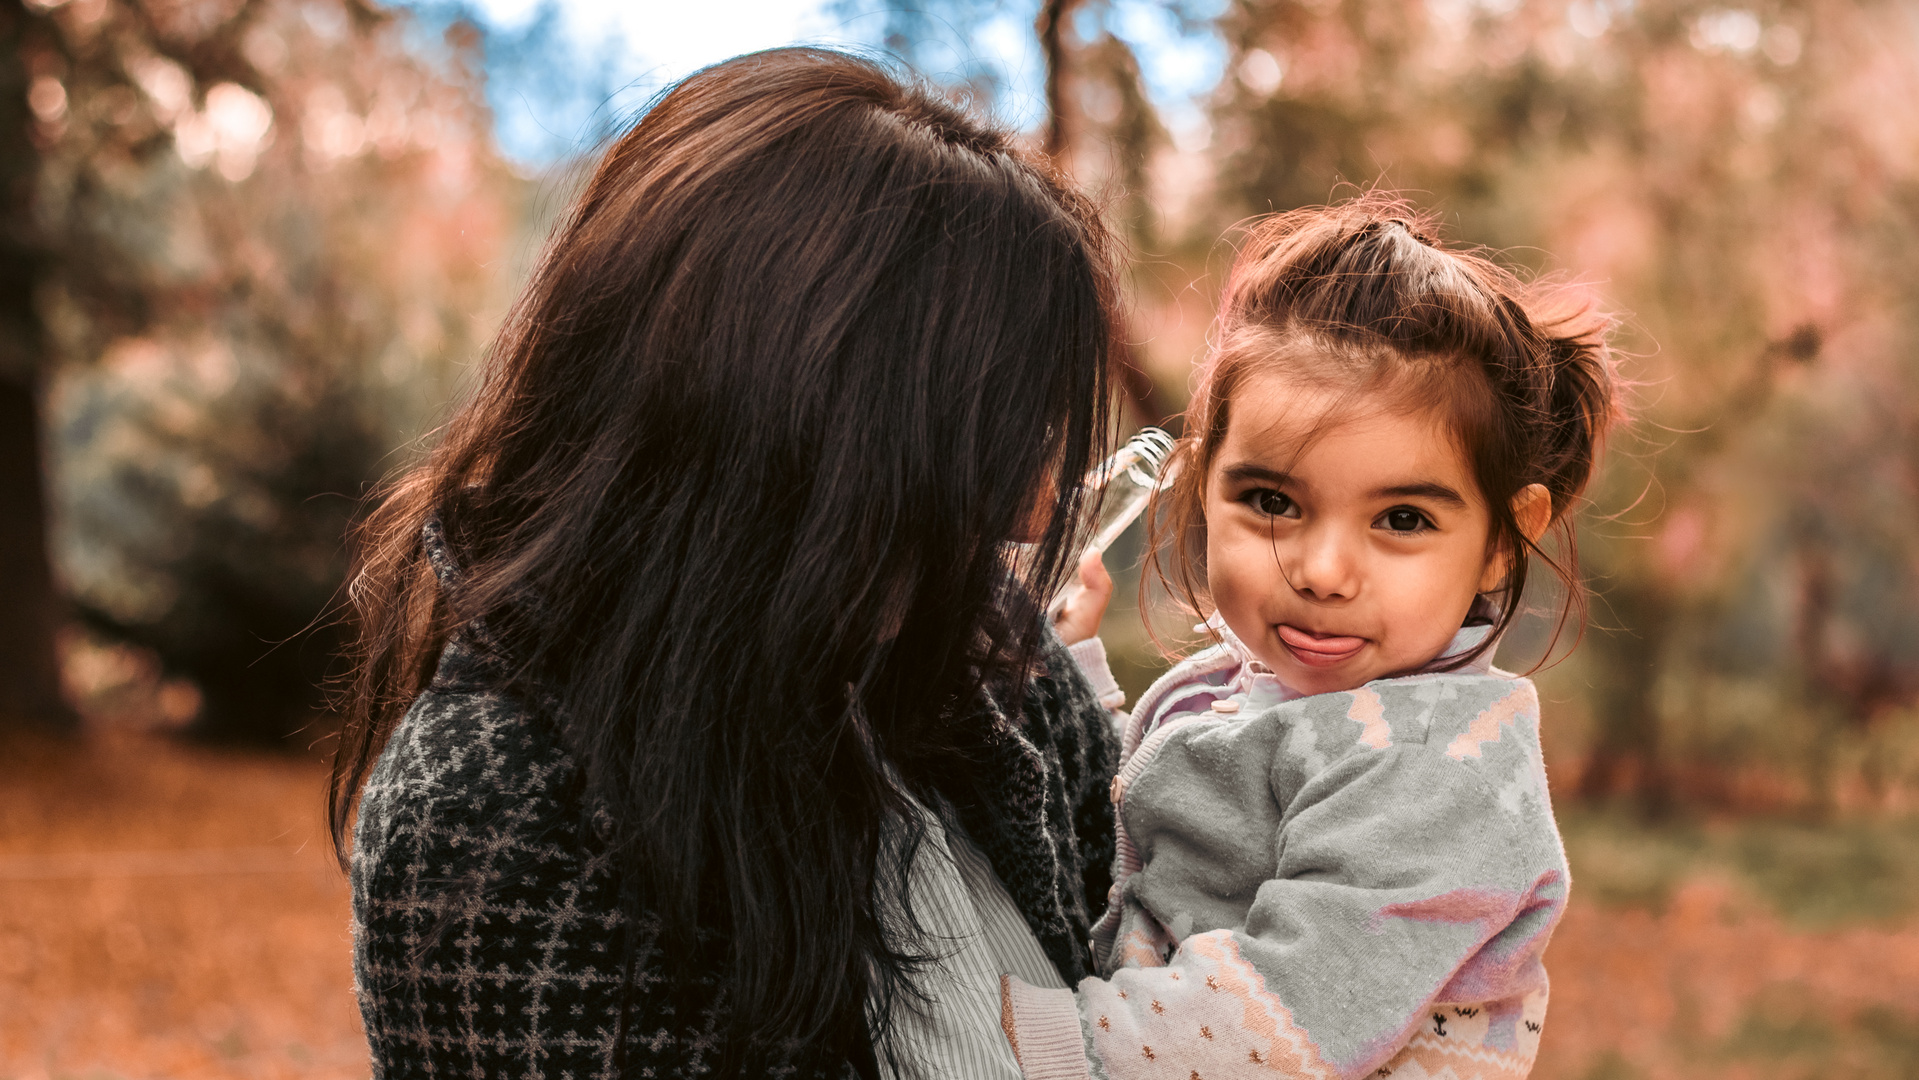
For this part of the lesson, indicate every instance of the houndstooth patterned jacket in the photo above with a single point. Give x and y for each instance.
(487, 930)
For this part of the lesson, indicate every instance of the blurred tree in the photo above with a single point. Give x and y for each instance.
(278, 224)
(1102, 128)
(1052, 32)
(552, 100)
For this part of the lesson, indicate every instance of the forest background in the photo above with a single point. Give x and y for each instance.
(251, 249)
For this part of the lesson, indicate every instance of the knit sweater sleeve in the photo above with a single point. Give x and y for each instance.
(1078, 704)
(1347, 885)
(1090, 657)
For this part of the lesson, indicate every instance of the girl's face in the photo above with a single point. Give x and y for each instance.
(1342, 543)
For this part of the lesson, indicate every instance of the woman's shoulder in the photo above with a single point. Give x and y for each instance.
(471, 728)
(472, 760)
(489, 931)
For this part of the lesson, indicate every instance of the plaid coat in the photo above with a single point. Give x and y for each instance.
(486, 916)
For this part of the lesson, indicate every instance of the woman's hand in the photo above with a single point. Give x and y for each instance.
(1085, 602)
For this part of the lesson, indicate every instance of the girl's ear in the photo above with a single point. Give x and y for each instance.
(1532, 512)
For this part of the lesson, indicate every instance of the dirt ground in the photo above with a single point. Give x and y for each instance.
(172, 911)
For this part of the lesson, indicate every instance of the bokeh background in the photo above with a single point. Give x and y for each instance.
(251, 249)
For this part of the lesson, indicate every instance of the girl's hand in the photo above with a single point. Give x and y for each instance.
(1086, 602)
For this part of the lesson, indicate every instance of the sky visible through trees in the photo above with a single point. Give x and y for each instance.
(557, 73)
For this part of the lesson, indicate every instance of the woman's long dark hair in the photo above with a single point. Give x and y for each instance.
(812, 344)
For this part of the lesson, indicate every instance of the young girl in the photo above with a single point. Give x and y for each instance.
(1337, 857)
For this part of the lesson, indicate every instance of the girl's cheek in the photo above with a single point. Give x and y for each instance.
(1242, 566)
(1220, 558)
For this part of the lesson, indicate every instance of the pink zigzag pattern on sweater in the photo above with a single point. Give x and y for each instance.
(1522, 701)
(1369, 712)
(1490, 908)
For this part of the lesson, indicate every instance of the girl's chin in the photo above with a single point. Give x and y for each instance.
(1322, 682)
(1322, 678)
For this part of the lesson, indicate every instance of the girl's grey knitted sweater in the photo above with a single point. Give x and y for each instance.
(486, 915)
(1343, 886)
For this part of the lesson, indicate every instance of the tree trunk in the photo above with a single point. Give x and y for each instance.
(29, 666)
(1627, 756)
(1150, 404)
(1050, 26)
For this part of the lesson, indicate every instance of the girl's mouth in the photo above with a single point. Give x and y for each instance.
(1318, 650)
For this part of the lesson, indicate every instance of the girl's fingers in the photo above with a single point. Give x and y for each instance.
(1079, 619)
(1094, 578)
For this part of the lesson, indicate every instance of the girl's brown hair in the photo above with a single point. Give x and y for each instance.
(1361, 298)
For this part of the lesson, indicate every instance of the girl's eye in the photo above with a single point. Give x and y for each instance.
(1404, 519)
(1273, 503)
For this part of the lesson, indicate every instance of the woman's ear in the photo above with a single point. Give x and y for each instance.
(1532, 512)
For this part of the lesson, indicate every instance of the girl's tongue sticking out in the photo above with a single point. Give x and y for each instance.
(1319, 650)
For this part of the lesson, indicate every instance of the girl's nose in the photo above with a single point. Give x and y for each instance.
(1324, 566)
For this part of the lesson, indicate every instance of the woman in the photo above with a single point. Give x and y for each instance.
(706, 724)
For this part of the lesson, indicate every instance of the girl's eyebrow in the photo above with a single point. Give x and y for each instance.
(1244, 471)
(1247, 470)
(1424, 489)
